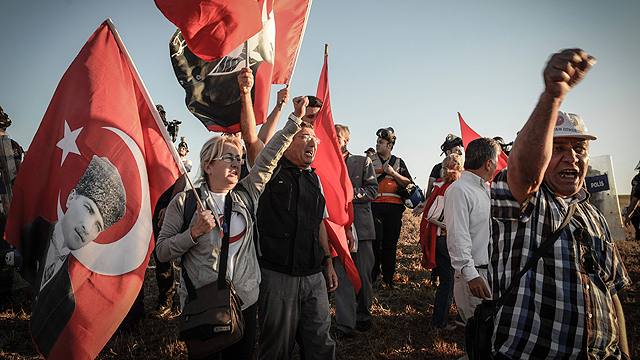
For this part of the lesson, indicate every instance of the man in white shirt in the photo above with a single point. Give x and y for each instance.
(467, 213)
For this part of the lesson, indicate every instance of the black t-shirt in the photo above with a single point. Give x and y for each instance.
(636, 190)
(435, 172)
(634, 182)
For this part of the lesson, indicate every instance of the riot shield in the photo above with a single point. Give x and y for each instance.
(601, 184)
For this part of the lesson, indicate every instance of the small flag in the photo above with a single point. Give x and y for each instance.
(468, 135)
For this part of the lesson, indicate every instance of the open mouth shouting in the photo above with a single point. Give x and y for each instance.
(571, 174)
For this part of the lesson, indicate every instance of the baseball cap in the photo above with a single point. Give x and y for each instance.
(571, 125)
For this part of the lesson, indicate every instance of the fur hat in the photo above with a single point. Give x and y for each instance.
(102, 184)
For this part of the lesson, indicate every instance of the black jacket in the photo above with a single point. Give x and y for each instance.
(290, 211)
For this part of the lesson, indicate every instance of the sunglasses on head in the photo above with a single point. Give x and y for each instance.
(386, 134)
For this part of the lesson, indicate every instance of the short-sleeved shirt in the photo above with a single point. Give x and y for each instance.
(559, 310)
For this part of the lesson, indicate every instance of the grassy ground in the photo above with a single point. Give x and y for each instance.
(401, 318)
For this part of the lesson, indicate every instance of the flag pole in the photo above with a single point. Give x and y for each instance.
(282, 102)
(246, 52)
(326, 50)
(193, 188)
(146, 95)
(149, 102)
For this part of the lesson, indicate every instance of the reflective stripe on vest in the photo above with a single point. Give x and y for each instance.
(388, 186)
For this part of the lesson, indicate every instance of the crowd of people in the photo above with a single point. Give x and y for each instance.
(480, 225)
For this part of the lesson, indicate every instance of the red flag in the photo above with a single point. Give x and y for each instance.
(468, 135)
(212, 90)
(291, 20)
(100, 114)
(213, 28)
(332, 170)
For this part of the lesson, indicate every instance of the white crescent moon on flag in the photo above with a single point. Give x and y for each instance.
(127, 253)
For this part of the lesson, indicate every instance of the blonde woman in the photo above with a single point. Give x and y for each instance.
(200, 244)
(433, 239)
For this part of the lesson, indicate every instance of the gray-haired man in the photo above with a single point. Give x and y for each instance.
(467, 213)
(566, 306)
(365, 190)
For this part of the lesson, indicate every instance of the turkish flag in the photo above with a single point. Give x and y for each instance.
(337, 187)
(213, 28)
(468, 135)
(100, 110)
(291, 20)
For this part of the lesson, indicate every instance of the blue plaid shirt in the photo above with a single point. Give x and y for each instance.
(559, 310)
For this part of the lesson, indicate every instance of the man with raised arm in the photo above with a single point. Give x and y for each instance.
(294, 254)
(566, 306)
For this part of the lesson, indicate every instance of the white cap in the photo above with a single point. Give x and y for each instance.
(571, 125)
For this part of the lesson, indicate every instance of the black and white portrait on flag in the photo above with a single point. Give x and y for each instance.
(96, 203)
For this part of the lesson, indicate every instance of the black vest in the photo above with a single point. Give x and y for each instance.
(290, 211)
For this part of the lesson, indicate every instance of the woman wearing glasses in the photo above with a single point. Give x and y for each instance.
(199, 244)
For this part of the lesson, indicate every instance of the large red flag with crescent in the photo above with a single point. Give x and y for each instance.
(83, 200)
(334, 176)
(468, 135)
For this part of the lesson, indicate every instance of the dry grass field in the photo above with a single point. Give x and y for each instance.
(401, 317)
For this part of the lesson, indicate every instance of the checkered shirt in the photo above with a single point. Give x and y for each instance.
(558, 311)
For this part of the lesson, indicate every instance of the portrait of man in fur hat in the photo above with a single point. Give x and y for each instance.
(96, 203)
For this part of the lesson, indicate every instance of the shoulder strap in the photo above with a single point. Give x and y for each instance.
(544, 247)
(392, 161)
(224, 253)
(190, 205)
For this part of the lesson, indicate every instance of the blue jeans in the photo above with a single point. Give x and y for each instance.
(444, 293)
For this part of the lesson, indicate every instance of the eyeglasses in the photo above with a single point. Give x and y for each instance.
(588, 259)
(306, 138)
(229, 159)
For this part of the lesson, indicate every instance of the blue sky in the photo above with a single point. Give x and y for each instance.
(407, 64)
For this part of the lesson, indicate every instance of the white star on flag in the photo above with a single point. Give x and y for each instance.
(68, 142)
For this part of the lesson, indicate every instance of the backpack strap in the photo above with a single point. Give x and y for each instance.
(544, 247)
(392, 161)
(224, 252)
(190, 206)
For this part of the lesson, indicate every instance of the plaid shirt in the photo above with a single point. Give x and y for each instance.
(559, 310)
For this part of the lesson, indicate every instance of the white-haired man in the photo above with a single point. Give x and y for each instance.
(566, 306)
